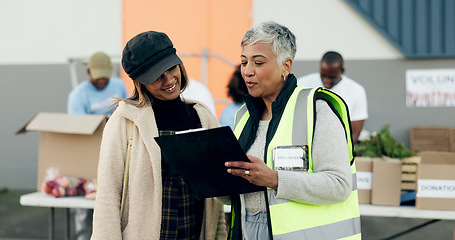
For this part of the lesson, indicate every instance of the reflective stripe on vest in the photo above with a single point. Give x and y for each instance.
(240, 113)
(293, 220)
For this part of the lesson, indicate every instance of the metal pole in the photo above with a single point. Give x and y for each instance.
(67, 224)
(223, 59)
(73, 73)
(205, 55)
(51, 223)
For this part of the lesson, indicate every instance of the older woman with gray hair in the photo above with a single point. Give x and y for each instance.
(299, 143)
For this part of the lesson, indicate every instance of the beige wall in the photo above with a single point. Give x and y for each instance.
(193, 26)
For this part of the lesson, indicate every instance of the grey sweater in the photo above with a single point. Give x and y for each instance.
(331, 181)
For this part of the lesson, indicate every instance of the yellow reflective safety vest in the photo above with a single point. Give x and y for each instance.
(294, 220)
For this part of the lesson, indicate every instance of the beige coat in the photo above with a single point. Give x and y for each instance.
(142, 215)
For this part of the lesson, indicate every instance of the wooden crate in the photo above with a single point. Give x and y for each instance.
(430, 139)
(408, 186)
(452, 139)
(409, 173)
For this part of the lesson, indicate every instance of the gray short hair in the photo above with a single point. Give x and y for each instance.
(282, 39)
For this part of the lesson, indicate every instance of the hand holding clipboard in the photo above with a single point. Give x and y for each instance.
(199, 158)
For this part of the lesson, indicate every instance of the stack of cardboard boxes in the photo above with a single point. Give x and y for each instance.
(436, 171)
(436, 181)
(378, 180)
(381, 181)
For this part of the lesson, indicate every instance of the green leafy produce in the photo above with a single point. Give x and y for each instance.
(382, 144)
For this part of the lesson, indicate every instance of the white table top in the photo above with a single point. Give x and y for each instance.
(404, 212)
(39, 199)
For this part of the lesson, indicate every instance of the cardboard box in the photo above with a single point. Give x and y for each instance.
(429, 139)
(386, 186)
(436, 181)
(71, 143)
(364, 175)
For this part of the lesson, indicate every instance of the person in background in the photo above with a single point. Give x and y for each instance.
(313, 199)
(331, 76)
(199, 92)
(158, 203)
(96, 95)
(237, 91)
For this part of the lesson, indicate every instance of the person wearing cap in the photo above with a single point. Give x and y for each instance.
(96, 95)
(158, 203)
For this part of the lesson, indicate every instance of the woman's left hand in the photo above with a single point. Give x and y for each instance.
(256, 172)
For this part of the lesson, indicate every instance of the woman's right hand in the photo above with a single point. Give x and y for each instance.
(256, 172)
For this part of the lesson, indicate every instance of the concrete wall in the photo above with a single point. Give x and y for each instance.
(26, 90)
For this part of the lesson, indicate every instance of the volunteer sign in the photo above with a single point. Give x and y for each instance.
(430, 88)
(435, 188)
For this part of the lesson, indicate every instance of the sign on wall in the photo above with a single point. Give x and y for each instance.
(430, 88)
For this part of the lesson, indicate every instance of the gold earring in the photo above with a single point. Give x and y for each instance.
(284, 78)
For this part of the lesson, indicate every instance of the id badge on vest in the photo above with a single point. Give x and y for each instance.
(291, 158)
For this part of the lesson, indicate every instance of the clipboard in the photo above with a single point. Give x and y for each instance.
(199, 159)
